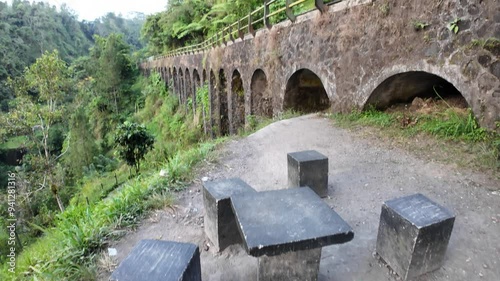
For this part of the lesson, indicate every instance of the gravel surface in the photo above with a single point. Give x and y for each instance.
(363, 173)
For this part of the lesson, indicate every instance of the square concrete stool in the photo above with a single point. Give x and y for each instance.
(308, 168)
(220, 226)
(413, 235)
(156, 260)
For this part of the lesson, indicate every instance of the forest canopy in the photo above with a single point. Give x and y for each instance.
(28, 30)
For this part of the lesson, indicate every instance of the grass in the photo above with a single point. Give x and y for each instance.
(452, 133)
(14, 143)
(69, 251)
(109, 202)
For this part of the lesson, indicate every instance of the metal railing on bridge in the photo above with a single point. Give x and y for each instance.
(245, 25)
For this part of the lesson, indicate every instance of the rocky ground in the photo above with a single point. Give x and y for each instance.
(363, 172)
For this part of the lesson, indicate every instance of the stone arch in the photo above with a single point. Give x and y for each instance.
(223, 104)
(237, 102)
(204, 76)
(189, 90)
(261, 101)
(404, 87)
(305, 92)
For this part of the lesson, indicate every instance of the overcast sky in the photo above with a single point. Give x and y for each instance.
(92, 9)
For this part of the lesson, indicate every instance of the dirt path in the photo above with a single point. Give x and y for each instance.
(362, 174)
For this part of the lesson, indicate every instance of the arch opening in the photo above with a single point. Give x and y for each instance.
(223, 104)
(196, 86)
(237, 102)
(305, 93)
(413, 88)
(261, 100)
(181, 87)
(189, 90)
(175, 82)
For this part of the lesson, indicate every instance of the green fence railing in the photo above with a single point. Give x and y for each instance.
(261, 15)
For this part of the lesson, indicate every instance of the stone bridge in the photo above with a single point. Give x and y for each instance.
(356, 54)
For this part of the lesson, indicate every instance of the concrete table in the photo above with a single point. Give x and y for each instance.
(413, 235)
(156, 260)
(286, 230)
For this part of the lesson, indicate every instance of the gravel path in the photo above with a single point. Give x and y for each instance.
(363, 173)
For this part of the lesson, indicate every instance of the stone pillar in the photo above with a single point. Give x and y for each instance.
(308, 168)
(413, 235)
(292, 266)
(219, 221)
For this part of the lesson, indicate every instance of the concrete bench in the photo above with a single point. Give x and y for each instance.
(220, 226)
(286, 229)
(156, 260)
(413, 235)
(308, 168)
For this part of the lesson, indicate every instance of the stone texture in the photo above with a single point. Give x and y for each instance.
(156, 260)
(308, 168)
(279, 221)
(291, 266)
(413, 235)
(219, 222)
(330, 44)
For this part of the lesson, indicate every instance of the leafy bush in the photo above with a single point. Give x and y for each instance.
(133, 142)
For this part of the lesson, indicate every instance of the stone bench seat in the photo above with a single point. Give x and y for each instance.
(156, 260)
(413, 235)
(219, 222)
(308, 168)
(286, 229)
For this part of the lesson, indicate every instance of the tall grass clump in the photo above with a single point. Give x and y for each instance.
(457, 126)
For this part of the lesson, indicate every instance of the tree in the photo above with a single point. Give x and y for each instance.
(37, 108)
(133, 142)
(114, 71)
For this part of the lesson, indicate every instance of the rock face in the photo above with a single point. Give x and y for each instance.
(362, 52)
(413, 235)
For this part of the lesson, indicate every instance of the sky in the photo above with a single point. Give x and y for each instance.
(92, 9)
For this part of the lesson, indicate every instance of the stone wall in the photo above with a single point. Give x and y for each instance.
(354, 48)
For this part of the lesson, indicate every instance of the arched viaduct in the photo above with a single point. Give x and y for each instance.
(355, 54)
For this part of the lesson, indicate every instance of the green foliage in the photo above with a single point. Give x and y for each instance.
(68, 250)
(384, 9)
(80, 145)
(188, 22)
(113, 69)
(192, 21)
(29, 29)
(453, 25)
(418, 25)
(448, 124)
(133, 142)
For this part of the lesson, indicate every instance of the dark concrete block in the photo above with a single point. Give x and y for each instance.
(308, 168)
(291, 266)
(279, 221)
(220, 225)
(156, 260)
(413, 235)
